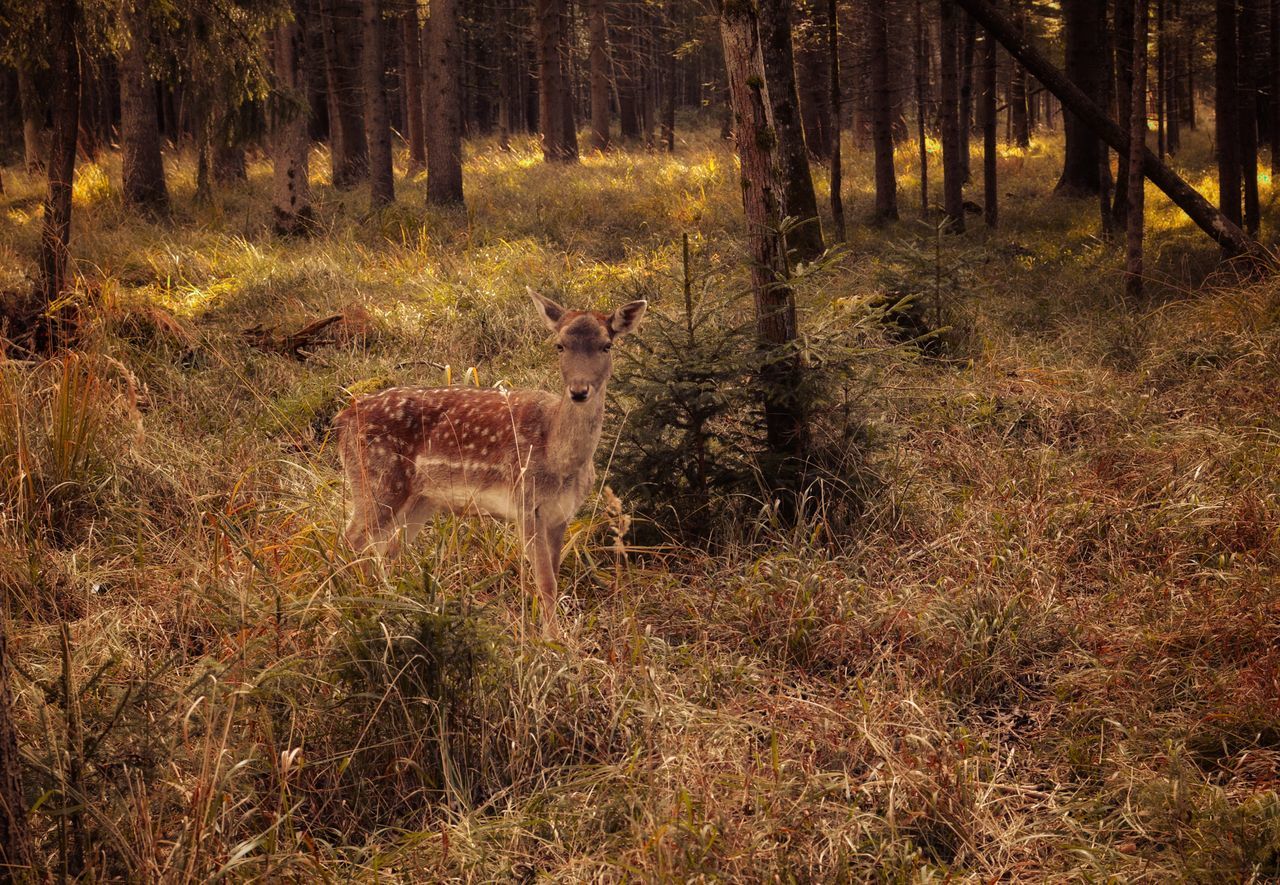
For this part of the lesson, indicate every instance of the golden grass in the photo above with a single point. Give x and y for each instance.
(1050, 654)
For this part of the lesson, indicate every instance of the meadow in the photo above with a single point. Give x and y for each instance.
(1046, 647)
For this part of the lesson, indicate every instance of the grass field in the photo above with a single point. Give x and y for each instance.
(1047, 649)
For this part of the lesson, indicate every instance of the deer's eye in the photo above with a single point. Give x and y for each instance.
(607, 348)
(560, 348)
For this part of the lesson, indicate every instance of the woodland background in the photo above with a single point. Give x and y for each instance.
(939, 518)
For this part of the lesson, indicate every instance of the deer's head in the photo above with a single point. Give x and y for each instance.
(584, 340)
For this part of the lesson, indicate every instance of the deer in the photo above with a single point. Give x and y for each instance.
(521, 456)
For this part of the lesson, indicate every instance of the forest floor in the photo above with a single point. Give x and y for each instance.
(1049, 649)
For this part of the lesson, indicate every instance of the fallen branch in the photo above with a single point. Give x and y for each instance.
(291, 344)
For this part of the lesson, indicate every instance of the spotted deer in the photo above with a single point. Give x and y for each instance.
(524, 456)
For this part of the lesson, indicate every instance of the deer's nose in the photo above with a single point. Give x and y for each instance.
(579, 394)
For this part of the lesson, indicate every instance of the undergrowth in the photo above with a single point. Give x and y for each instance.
(1042, 645)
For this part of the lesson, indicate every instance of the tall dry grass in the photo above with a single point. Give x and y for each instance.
(1049, 652)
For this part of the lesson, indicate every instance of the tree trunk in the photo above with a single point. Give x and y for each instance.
(1137, 135)
(762, 187)
(949, 119)
(32, 117)
(1275, 88)
(348, 150)
(55, 233)
(1019, 126)
(881, 107)
(16, 854)
(833, 49)
(410, 34)
(444, 110)
(290, 138)
(990, 195)
(1227, 121)
(1223, 231)
(669, 80)
(626, 67)
(598, 35)
(1124, 107)
(1247, 111)
(144, 185)
(968, 50)
(798, 198)
(559, 142)
(377, 122)
(1085, 66)
(1171, 77)
(922, 90)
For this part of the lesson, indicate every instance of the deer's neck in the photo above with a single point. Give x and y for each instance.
(574, 433)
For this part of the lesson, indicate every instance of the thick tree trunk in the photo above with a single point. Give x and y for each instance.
(990, 194)
(798, 199)
(444, 106)
(410, 38)
(348, 150)
(812, 77)
(1223, 231)
(290, 138)
(837, 173)
(16, 855)
(949, 118)
(1247, 111)
(1085, 66)
(32, 118)
(377, 121)
(1227, 120)
(776, 330)
(1137, 135)
(55, 234)
(144, 186)
(559, 142)
(598, 36)
(886, 208)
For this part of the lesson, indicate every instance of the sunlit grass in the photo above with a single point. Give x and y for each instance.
(1047, 654)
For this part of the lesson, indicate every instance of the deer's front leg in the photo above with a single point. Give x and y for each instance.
(544, 574)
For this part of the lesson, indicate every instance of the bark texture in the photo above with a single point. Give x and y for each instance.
(598, 36)
(32, 118)
(376, 117)
(410, 38)
(290, 139)
(348, 150)
(143, 185)
(555, 105)
(1226, 122)
(949, 113)
(799, 200)
(886, 207)
(444, 106)
(1086, 67)
(1137, 135)
(55, 233)
(779, 380)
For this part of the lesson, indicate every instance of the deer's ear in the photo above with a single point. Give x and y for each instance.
(551, 312)
(624, 320)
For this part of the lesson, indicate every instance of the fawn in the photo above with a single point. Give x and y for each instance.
(524, 456)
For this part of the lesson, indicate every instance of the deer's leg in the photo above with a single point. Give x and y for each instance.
(555, 543)
(544, 575)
